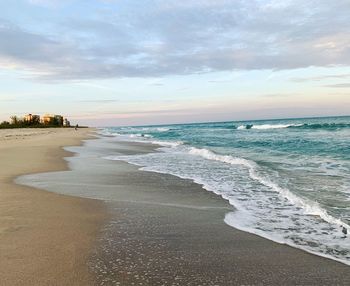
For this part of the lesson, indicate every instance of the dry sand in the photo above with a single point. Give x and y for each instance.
(45, 238)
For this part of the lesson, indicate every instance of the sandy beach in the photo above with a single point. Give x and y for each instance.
(170, 231)
(45, 238)
(174, 143)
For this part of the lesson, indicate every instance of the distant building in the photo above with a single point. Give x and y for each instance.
(32, 118)
(51, 119)
(47, 118)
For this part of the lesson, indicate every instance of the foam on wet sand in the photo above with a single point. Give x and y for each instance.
(170, 231)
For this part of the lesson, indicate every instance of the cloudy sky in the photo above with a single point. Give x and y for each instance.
(126, 62)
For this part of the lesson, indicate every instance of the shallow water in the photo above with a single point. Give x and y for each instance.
(289, 180)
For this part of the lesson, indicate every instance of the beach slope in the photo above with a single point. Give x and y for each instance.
(45, 238)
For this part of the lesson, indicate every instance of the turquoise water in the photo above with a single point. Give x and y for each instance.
(287, 180)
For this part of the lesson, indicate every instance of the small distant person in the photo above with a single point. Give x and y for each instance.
(344, 231)
(76, 127)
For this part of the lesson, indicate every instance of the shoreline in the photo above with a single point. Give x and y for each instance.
(45, 238)
(231, 209)
(227, 217)
(165, 230)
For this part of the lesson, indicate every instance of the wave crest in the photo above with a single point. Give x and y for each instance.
(310, 208)
(267, 126)
(326, 126)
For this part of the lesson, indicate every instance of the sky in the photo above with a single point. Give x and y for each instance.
(139, 62)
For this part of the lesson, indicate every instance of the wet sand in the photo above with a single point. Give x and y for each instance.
(45, 238)
(170, 231)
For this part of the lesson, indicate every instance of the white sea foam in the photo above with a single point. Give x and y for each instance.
(162, 129)
(223, 158)
(167, 143)
(310, 208)
(140, 135)
(234, 219)
(106, 132)
(152, 129)
(147, 138)
(267, 126)
(273, 126)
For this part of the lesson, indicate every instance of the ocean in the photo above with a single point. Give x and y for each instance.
(287, 180)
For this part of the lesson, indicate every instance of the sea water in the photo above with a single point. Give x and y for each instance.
(287, 180)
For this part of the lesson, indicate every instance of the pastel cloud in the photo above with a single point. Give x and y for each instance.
(156, 38)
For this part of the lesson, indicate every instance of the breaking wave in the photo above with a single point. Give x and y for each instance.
(310, 208)
(267, 126)
(326, 126)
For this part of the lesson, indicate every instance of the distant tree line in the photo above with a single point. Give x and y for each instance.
(34, 122)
